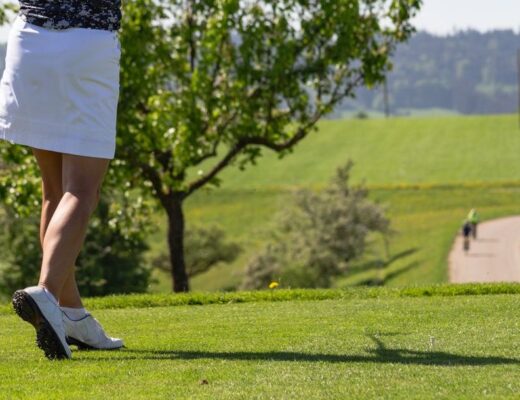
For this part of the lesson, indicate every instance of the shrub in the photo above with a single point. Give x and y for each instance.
(110, 262)
(318, 237)
(205, 247)
(361, 115)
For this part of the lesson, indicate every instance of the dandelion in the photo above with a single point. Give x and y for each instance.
(273, 285)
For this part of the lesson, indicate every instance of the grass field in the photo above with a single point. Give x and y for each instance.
(428, 172)
(395, 151)
(357, 344)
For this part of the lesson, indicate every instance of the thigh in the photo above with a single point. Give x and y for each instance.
(50, 164)
(82, 174)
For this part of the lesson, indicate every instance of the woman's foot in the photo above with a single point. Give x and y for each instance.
(36, 306)
(88, 334)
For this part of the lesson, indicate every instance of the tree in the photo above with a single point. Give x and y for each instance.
(318, 236)
(207, 84)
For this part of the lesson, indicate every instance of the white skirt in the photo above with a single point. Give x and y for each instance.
(60, 89)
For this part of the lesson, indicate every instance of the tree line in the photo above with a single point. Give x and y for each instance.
(468, 72)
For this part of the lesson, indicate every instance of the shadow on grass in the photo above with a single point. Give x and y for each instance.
(380, 355)
(380, 264)
(389, 276)
(381, 268)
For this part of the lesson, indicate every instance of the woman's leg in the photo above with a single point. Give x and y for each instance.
(71, 186)
(70, 296)
(50, 164)
(50, 170)
(62, 232)
(81, 182)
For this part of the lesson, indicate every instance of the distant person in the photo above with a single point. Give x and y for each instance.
(466, 232)
(474, 219)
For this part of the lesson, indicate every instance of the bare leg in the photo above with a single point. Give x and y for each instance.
(71, 186)
(63, 238)
(50, 169)
(70, 296)
(50, 164)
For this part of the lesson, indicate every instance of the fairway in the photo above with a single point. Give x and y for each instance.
(382, 347)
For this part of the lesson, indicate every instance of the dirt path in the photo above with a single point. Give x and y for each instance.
(493, 257)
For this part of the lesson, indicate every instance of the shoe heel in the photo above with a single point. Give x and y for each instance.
(46, 337)
(23, 307)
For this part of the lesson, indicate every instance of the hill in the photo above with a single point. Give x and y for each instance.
(428, 172)
(395, 151)
(467, 72)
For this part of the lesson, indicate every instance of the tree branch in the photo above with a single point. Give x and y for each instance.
(153, 176)
(214, 74)
(302, 132)
(237, 148)
(210, 154)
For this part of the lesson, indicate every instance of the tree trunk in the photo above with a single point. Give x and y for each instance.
(176, 243)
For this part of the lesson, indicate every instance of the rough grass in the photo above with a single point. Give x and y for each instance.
(426, 219)
(361, 346)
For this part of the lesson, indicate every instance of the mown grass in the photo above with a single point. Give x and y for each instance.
(149, 300)
(438, 150)
(358, 347)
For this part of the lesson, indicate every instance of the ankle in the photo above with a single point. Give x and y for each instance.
(52, 297)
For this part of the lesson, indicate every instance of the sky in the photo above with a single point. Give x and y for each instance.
(443, 17)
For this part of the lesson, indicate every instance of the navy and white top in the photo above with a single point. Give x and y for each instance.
(63, 14)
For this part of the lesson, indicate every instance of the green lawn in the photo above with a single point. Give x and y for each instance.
(378, 345)
(393, 151)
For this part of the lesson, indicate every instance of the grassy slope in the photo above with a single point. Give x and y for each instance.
(389, 155)
(400, 150)
(358, 347)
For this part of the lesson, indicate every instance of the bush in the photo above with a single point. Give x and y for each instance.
(361, 115)
(110, 262)
(318, 237)
(112, 259)
(205, 248)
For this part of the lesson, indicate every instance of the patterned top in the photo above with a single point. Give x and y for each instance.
(63, 14)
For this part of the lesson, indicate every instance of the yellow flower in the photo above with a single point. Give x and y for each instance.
(273, 285)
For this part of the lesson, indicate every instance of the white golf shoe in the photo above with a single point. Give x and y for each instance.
(87, 333)
(35, 306)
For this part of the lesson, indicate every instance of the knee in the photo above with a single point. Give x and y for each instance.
(87, 199)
